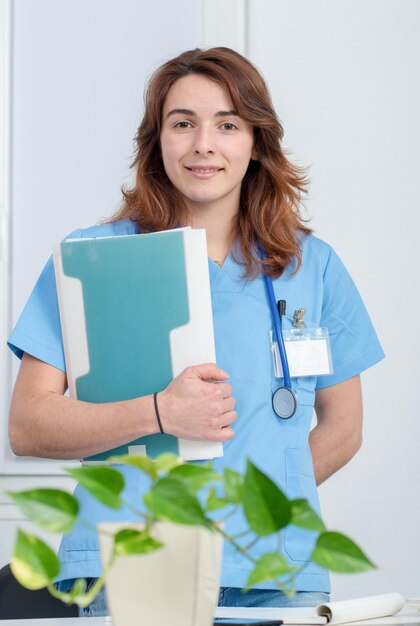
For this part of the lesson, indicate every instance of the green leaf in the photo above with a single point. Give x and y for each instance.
(75, 595)
(87, 598)
(143, 463)
(51, 509)
(33, 563)
(78, 594)
(130, 541)
(166, 461)
(233, 483)
(305, 517)
(338, 553)
(269, 567)
(266, 507)
(104, 483)
(195, 476)
(78, 589)
(170, 499)
(214, 502)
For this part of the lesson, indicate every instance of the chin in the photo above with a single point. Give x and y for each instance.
(200, 199)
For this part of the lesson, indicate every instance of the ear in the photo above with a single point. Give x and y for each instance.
(254, 155)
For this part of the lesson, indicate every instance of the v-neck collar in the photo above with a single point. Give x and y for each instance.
(228, 277)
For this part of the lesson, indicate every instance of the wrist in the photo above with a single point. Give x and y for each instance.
(164, 408)
(156, 407)
(162, 400)
(139, 416)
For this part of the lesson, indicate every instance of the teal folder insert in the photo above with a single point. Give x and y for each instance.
(135, 310)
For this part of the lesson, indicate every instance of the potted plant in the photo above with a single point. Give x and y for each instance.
(183, 497)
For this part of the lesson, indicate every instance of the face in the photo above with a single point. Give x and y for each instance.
(206, 147)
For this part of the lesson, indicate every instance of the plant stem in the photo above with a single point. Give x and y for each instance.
(228, 515)
(236, 545)
(242, 534)
(252, 543)
(133, 509)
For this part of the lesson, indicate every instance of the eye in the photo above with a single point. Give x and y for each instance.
(183, 124)
(229, 126)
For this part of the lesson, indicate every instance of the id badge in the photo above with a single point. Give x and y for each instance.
(308, 352)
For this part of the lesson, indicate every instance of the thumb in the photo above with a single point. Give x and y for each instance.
(209, 371)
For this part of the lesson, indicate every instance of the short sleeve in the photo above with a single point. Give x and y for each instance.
(354, 344)
(38, 329)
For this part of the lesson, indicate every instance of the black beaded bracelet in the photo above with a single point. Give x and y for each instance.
(157, 412)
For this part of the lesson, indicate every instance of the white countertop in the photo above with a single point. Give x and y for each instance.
(411, 618)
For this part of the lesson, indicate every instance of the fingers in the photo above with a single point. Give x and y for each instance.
(207, 371)
(198, 404)
(224, 390)
(229, 418)
(217, 406)
(223, 421)
(228, 405)
(222, 429)
(224, 434)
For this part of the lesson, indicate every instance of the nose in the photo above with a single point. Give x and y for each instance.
(204, 141)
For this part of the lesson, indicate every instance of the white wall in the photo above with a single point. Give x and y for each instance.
(345, 81)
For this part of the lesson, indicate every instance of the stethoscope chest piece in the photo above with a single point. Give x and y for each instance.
(284, 403)
(284, 398)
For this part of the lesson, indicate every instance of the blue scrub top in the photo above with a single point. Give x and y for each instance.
(242, 321)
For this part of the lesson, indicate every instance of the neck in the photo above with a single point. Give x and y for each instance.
(219, 233)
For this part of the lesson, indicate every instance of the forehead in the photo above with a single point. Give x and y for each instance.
(197, 93)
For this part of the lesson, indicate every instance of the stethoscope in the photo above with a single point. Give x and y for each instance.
(284, 398)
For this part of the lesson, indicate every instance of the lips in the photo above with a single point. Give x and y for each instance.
(203, 169)
(203, 172)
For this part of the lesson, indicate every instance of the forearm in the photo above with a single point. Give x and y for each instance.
(338, 434)
(44, 422)
(331, 451)
(63, 428)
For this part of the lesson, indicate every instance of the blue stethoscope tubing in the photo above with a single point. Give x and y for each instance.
(284, 399)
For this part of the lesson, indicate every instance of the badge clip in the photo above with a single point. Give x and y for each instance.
(298, 315)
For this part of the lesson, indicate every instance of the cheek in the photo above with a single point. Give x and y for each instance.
(172, 152)
(166, 160)
(167, 146)
(171, 161)
(164, 148)
(243, 157)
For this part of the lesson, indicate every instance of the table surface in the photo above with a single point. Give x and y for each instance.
(410, 618)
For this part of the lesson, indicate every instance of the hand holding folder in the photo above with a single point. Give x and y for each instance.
(135, 312)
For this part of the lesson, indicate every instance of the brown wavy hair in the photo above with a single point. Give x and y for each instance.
(272, 188)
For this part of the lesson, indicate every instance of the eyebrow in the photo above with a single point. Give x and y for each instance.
(193, 114)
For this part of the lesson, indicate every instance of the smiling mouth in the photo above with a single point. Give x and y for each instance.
(204, 170)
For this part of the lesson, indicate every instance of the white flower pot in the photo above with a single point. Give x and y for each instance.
(177, 584)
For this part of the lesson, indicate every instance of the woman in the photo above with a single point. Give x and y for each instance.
(209, 155)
